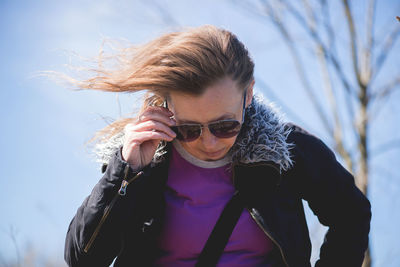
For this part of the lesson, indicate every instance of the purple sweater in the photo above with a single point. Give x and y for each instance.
(196, 194)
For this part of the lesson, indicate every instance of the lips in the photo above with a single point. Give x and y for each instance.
(213, 153)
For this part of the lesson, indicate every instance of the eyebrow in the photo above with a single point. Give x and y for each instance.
(225, 116)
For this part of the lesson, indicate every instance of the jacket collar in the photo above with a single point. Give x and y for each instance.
(262, 138)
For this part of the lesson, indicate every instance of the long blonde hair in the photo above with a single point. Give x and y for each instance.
(185, 61)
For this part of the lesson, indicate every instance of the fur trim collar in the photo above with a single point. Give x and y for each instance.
(262, 138)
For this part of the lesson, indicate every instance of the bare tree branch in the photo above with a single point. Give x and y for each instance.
(368, 51)
(281, 103)
(382, 94)
(385, 90)
(353, 40)
(299, 65)
(327, 83)
(328, 54)
(367, 57)
(385, 51)
(328, 27)
(13, 236)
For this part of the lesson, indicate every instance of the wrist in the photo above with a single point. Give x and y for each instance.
(133, 168)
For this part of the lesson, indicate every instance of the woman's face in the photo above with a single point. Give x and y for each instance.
(222, 100)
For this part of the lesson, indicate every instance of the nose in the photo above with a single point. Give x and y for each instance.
(208, 140)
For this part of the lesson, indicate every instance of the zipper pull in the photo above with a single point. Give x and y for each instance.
(124, 184)
(122, 190)
(147, 224)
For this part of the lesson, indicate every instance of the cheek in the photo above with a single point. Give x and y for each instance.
(228, 142)
(192, 147)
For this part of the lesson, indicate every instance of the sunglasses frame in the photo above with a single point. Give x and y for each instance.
(214, 122)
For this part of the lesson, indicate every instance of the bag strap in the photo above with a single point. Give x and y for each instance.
(219, 236)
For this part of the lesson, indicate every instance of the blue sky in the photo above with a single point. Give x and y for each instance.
(47, 171)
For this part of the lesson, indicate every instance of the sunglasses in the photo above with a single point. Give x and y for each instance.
(221, 129)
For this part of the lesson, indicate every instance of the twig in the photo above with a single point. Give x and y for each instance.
(385, 51)
(328, 53)
(299, 65)
(327, 83)
(382, 94)
(353, 40)
(293, 114)
(368, 51)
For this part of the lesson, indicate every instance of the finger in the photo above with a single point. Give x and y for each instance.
(156, 115)
(154, 125)
(140, 137)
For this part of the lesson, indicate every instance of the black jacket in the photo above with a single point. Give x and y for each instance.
(123, 215)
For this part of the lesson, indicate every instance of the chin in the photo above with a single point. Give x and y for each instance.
(212, 159)
(217, 156)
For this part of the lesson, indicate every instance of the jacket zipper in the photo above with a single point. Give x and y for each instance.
(121, 192)
(268, 234)
(253, 216)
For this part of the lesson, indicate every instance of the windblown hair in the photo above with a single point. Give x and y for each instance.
(186, 61)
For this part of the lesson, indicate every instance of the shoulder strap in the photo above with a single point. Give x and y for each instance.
(219, 236)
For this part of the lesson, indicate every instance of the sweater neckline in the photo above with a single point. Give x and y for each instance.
(198, 162)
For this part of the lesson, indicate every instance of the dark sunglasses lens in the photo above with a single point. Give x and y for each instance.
(225, 129)
(187, 133)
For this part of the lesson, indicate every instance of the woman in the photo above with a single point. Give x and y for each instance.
(201, 138)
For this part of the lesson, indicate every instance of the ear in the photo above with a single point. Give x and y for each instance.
(249, 94)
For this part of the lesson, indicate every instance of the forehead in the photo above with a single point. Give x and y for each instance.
(221, 101)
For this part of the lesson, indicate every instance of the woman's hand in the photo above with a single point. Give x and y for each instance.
(144, 134)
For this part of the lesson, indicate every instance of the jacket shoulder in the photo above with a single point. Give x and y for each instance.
(309, 152)
(306, 142)
(297, 132)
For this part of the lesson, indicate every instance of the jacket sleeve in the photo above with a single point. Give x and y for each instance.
(334, 198)
(94, 236)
